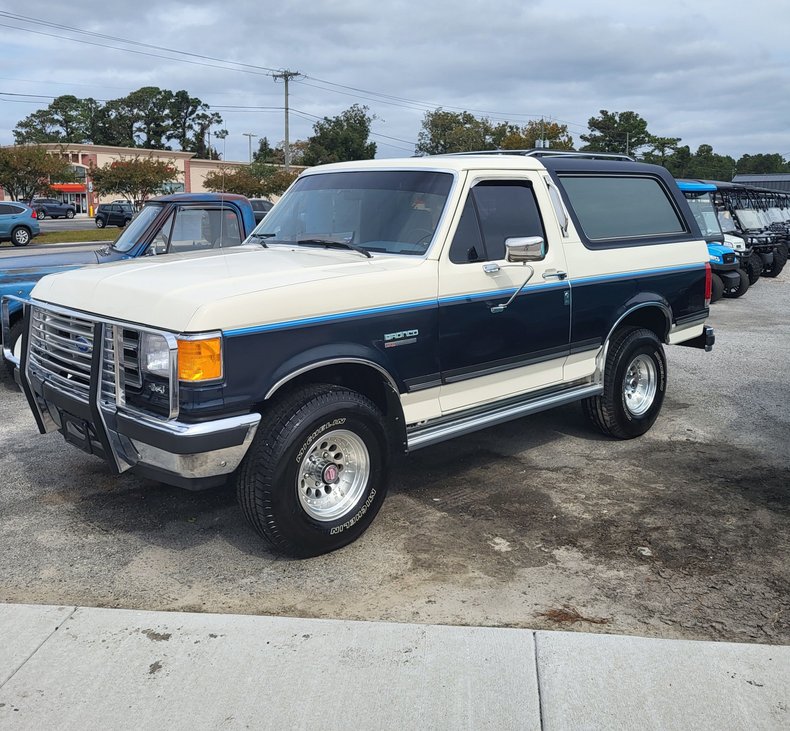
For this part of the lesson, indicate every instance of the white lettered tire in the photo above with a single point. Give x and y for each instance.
(316, 473)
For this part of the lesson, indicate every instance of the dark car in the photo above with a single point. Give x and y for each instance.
(53, 208)
(260, 207)
(18, 223)
(114, 214)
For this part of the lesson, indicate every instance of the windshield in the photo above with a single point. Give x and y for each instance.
(135, 228)
(380, 211)
(726, 222)
(704, 213)
(748, 218)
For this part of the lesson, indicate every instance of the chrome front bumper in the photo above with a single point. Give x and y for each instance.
(191, 455)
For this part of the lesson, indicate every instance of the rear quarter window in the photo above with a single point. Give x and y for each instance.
(612, 209)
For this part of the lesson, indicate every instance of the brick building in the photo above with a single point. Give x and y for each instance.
(191, 171)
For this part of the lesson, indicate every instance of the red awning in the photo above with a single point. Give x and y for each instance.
(69, 187)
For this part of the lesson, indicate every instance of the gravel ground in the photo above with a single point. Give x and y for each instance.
(541, 523)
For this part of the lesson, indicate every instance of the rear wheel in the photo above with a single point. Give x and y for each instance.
(635, 379)
(716, 288)
(316, 473)
(41, 214)
(739, 289)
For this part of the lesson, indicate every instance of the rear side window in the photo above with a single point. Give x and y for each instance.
(6, 209)
(622, 207)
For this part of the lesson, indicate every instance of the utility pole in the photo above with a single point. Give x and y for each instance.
(627, 143)
(249, 136)
(286, 76)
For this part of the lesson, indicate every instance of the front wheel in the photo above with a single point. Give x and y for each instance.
(716, 288)
(69, 213)
(635, 380)
(754, 267)
(739, 289)
(316, 473)
(14, 340)
(99, 223)
(20, 236)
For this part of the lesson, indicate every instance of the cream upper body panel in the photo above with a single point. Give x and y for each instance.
(240, 287)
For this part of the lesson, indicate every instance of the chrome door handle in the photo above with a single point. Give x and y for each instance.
(555, 274)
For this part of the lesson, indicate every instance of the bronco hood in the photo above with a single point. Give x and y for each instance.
(237, 288)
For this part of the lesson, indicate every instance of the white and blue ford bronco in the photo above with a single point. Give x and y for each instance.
(382, 306)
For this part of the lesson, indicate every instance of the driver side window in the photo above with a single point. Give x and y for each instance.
(495, 210)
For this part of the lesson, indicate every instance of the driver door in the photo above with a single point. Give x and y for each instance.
(486, 354)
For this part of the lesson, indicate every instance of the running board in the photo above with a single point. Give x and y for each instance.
(427, 435)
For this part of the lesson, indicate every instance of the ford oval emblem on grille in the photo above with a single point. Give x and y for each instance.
(82, 343)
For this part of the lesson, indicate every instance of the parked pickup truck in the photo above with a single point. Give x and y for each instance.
(173, 223)
(382, 306)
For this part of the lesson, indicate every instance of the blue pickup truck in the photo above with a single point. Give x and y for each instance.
(181, 222)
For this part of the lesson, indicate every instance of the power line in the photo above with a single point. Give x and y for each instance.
(132, 50)
(330, 86)
(60, 26)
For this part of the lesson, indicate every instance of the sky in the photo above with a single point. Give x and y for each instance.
(709, 72)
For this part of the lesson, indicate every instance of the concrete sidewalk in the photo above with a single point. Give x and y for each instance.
(77, 668)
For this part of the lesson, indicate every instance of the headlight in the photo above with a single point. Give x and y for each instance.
(200, 359)
(154, 355)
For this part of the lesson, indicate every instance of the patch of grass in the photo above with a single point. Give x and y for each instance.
(73, 237)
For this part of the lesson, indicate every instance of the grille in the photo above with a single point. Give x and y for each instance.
(129, 372)
(61, 347)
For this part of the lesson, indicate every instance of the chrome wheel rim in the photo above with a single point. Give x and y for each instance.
(640, 384)
(333, 475)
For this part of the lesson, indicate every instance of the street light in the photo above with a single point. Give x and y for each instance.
(249, 136)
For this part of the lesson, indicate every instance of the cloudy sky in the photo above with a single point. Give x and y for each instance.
(715, 72)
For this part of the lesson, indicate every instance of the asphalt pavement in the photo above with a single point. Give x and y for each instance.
(78, 668)
(80, 222)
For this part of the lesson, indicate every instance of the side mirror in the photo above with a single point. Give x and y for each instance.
(525, 248)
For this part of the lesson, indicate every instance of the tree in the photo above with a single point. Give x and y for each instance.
(26, 171)
(148, 117)
(149, 107)
(182, 114)
(661, 148)
(341, 138)
(708, 165)
(619, 132)
(507, 136)
(64, 120)
(268, 154)
(762, 164)
(136, 179)
(444, 132)
(256, 181)
(679, 162)
(200, 143)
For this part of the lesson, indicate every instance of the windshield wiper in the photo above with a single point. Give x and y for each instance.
(333, 244)
(262, 238)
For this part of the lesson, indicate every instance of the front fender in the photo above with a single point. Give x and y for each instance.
(334, 354)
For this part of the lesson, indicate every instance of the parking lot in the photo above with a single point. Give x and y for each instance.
(541, 522)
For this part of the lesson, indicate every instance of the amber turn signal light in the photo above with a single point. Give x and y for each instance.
(200, 360)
